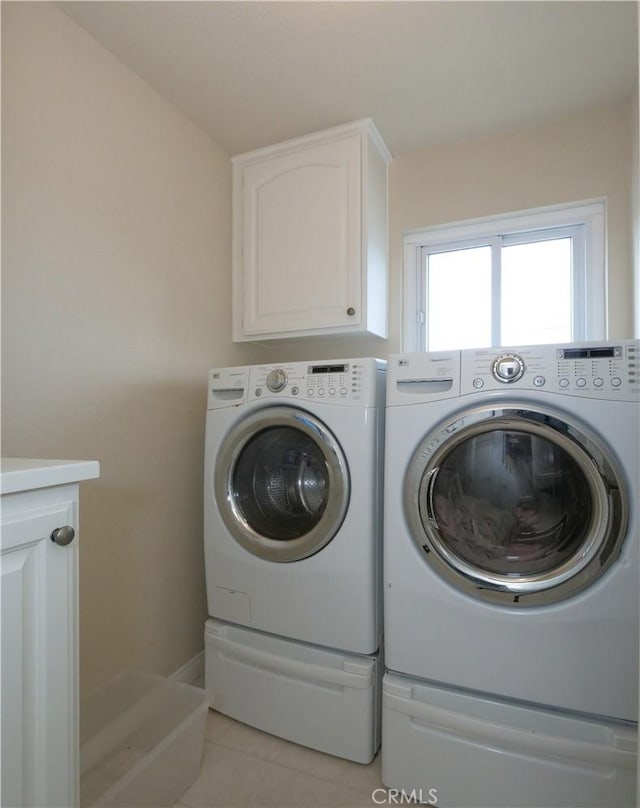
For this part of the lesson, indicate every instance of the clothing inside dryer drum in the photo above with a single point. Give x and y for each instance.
(281, 483)
(510, 502)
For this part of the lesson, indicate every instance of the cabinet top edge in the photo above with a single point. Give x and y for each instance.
(24, 474)
(364, 126)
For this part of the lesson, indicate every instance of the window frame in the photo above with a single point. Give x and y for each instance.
(589, 275)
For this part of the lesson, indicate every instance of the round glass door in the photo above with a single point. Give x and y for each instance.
(282, 484)
(515, 506)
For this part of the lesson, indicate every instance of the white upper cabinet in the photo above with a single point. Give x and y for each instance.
(310, 236)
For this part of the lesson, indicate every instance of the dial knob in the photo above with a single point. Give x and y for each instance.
(508, 368)
(277, 380)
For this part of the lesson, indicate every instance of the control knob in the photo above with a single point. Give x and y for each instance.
(508, 368)
(276, 380)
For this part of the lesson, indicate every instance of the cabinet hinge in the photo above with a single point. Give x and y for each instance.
(421, 318)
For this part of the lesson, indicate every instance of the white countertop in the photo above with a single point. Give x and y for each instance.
(25, 474)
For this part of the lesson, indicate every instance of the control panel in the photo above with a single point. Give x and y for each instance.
(605, 370)
(353, 381)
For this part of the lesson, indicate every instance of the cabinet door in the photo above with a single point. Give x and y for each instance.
(301, 239)
(39, 659)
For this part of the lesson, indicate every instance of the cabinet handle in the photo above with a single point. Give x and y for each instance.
(351, 311)
(63, 535)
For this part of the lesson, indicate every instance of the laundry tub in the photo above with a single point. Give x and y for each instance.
(141, 741)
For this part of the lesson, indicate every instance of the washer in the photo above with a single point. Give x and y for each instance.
(293, 542)
(511, 554)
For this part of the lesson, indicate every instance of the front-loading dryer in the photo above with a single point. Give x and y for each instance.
(511, 562)
(293, 547)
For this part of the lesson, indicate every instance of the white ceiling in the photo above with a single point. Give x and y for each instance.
(255, 73)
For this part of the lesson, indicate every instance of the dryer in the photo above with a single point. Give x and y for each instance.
(293, 530)
(511, 558)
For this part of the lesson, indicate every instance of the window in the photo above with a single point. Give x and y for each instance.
(527, 278)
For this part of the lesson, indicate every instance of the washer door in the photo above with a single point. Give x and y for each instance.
(515, 506)
(282, 484)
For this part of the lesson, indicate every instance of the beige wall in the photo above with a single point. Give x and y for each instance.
(116, 299)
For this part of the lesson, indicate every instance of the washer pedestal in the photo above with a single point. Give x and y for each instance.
(470, 751)
(320, 698)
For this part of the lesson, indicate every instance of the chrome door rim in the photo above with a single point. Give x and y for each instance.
(607, 526)
(339, 485)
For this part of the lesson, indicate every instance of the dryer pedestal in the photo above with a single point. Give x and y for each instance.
(463, 750)
(317, 697)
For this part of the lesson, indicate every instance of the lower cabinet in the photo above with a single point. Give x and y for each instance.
(39, 693)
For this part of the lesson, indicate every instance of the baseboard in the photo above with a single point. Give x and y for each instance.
(192, 672)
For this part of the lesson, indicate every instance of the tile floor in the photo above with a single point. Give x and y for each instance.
(245, 768)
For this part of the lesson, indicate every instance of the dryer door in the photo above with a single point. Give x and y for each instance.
(282, 484)
(515, 506)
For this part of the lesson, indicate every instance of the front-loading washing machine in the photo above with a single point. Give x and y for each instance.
(293, 546)
(511, 574)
